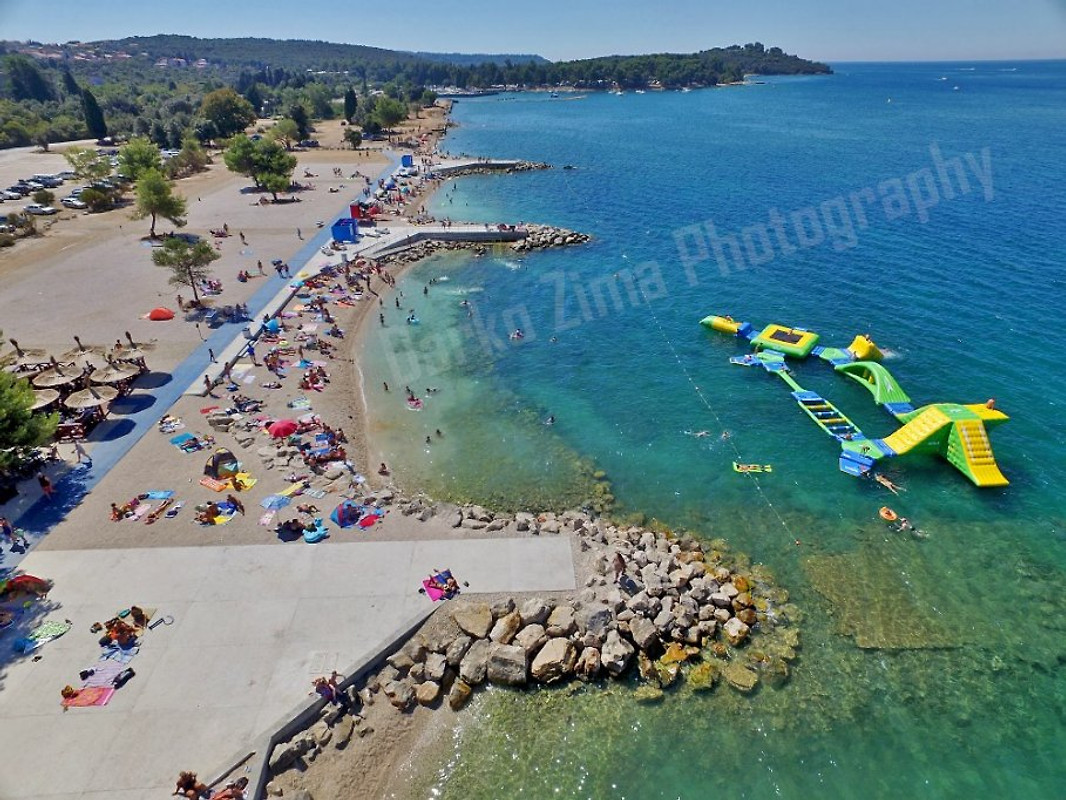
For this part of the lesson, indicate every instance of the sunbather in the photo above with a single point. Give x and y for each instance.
(190, 786)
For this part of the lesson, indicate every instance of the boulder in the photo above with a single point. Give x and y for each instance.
(702, 677)
(616, 653)
(400, 694)
(343, 733)
(588, 664)
(740, 676)
(474, 619)
(647, 695)
(555, 660)
(322, 733)
(474, 665)
(593, 618)
(496, 525)
(459, 695)
(748, 616)
(561, 621)
(455, 651)
(644, 632)
(283, 756)
(530, 638)
(434, 667)
(427, 692)
(534, 611)
(652, 580)
(640, 602)
(273, 790)
(503, 632)
(524, 521)
(507, 665)
(501, 607)
(721, 600)
(736, 631)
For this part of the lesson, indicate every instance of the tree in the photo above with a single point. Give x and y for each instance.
(94, 117)
(25, 80)
(189, 263)
(137, 157)
(70, 86)
(21, 429)
(156, 198)
(229, 112)
(97, 199)
(88, 165)
(389, 112)
(285, 131)
(353, 137)
(261, 159)
(351, 103)
(298, 114)
(189, 160)
(43, 197)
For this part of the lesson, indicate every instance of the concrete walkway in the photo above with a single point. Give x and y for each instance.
(252, 626)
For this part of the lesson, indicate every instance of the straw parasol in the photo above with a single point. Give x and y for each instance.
(113, 373)
(92, 397)
(129, 354)
(20, 358)
(134, 345)
(56, 375)
(42, 398)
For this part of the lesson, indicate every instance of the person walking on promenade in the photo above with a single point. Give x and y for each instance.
(46, 486)
(82, 453)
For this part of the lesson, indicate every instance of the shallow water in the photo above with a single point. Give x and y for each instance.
(957, 688)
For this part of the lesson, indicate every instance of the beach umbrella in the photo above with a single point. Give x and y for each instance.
(133, 345)
(56, 376)
(92, 397)
(282, 428)
(160, 314)
(42, 398)
(113, 373)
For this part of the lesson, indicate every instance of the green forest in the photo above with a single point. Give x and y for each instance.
(154, 86)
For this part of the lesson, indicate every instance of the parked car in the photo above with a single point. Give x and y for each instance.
(309, 143)
(19, 189)
(10, 195)
(73, 202)
(37, 208)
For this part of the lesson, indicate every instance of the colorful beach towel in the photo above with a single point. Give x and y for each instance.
(104, 672)
(160, 495)
(267, 518)
(140, 511)
(432, 592)
(40, 635)
(214, 485)
(90, 696)
(299, 402)
(181, 439)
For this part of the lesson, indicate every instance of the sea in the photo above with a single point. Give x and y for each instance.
(921, 204)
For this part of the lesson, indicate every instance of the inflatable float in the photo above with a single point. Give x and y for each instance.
(887, 514)
(752, 467)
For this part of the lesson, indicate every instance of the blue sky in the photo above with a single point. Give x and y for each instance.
(826, 30)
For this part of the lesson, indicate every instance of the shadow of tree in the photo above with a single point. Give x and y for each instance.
(29, 612)
(70, 489)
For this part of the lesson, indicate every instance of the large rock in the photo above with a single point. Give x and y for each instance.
(561, 621)
(555, 660)
(474, 619)
(501, 607)
(474, 665)
(616, 653)
(283, 756)
(507, 665)
(530, 638)
(343, 733)
(644, 632)
(459, 695)
(593, 618)
(736, 631)
(588, 664)
(740, 676)
(457, 649)
(435, 666)
(639, 602)
(505, 628)
(400, 694)
(534, 611)
(427, 693)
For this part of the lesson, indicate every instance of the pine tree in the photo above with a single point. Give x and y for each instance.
(20, 428)
(350, 104)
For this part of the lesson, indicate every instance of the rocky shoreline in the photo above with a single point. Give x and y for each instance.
(674, 609)
(538, 237)
(487, 167)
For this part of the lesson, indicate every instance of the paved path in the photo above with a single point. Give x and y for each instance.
(252, 626)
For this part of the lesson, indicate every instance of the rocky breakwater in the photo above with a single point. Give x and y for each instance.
(661, 604)
(540, 237)
(497, 166)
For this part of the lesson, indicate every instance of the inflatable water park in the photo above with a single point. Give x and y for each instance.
(956, 432)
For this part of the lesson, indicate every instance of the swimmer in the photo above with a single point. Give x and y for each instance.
(698, 434)
(550, 420)
(725, 436)
(895, 489)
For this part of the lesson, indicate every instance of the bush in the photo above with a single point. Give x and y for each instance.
(43, 197)
(6, 240)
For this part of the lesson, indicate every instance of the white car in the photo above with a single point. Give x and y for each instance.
(37, 208)
(74, 202)
(9, 195)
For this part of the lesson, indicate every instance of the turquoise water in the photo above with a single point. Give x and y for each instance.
(928, 666)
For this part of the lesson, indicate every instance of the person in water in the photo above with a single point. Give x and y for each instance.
(550, 420)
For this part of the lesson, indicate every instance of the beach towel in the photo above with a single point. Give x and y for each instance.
(40, 635)
(181, 439)
(160, 495)
(299, 402)
(140, 511)
(432, 592)
(170, 427)
(274, 501)
(292, 490)
(250, 378)
(318, 494)
(104, 672)
(208, 409)
(123, 657)
(91, 696)
(174, 509)
(267, 518)
(243, 481)
(214, 485)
